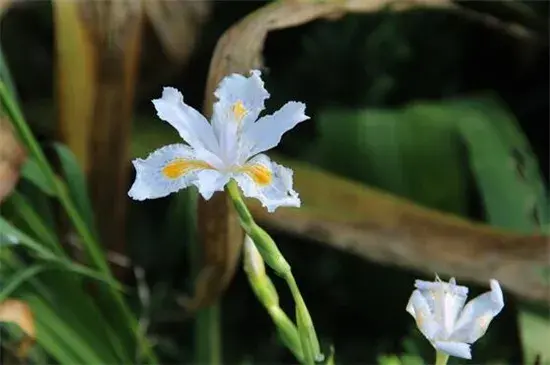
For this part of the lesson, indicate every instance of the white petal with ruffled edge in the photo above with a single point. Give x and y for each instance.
(167, 170)
(478, 314)
(190, 124)
(240, 101)
(267, 132)
(268, 182)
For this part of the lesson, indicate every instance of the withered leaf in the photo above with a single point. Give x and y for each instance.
(18, 312)
(177, 24)
(12, 156)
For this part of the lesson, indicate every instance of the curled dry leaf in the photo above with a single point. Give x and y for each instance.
(240, 50)
(380, 227)
(12, 157)
(18, 312)
(177, 24)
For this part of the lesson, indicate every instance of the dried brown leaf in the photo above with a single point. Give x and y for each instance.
(380, 227)
(98, 46)
(12, 156)
(240, 50)
(18, 312)
(177, 24)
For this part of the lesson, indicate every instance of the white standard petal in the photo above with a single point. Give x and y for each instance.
(268, 182)
(245, 96)
(166, 170)
(478, 314)
(420, 310)
(457, 349)
(190, 124)
(240, 101)
(445, 300)
(267, 132)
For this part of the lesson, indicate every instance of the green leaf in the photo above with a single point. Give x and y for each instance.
(60, 339)
(504, 166)
(31, 171)
(413, 152)
(76, 184)
(513, 192)
(20, 277)
(5, 74)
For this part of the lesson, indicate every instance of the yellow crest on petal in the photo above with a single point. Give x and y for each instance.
(239, 110)
(259, 173)
(178, 167)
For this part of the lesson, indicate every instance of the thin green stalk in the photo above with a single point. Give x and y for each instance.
(275, 259)
(441, 358)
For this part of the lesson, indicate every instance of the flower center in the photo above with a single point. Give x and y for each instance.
(178, 167)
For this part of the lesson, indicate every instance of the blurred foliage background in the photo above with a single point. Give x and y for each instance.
(442, 108)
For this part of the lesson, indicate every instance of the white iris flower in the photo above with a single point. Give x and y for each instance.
(441, 316)
(228, 148)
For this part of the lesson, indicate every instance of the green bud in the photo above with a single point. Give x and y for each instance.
(308, 338)
(269, 251)
(287, 332)
(255, 270)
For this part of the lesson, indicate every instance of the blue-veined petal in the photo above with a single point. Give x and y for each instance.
(478, 314)
(419, 308)
(166, 170)
(240, 101)
(266, 133)
(190, 124)
(457, 349)
(268, 182)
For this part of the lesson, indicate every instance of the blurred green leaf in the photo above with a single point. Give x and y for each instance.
(20, 277)
(76, 183)
(504, 166)
(513, 192)
(413, 152)
(5, 75)
(31, 171)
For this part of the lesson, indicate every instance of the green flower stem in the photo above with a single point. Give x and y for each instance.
(93, 249)
(275, 259)
(267, 295)
(441, 358)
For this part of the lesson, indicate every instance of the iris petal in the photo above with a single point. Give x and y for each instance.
(267, 132)
(268, 182)
(190, 124)
(457, 349)
(478, 314)
(166, 170)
